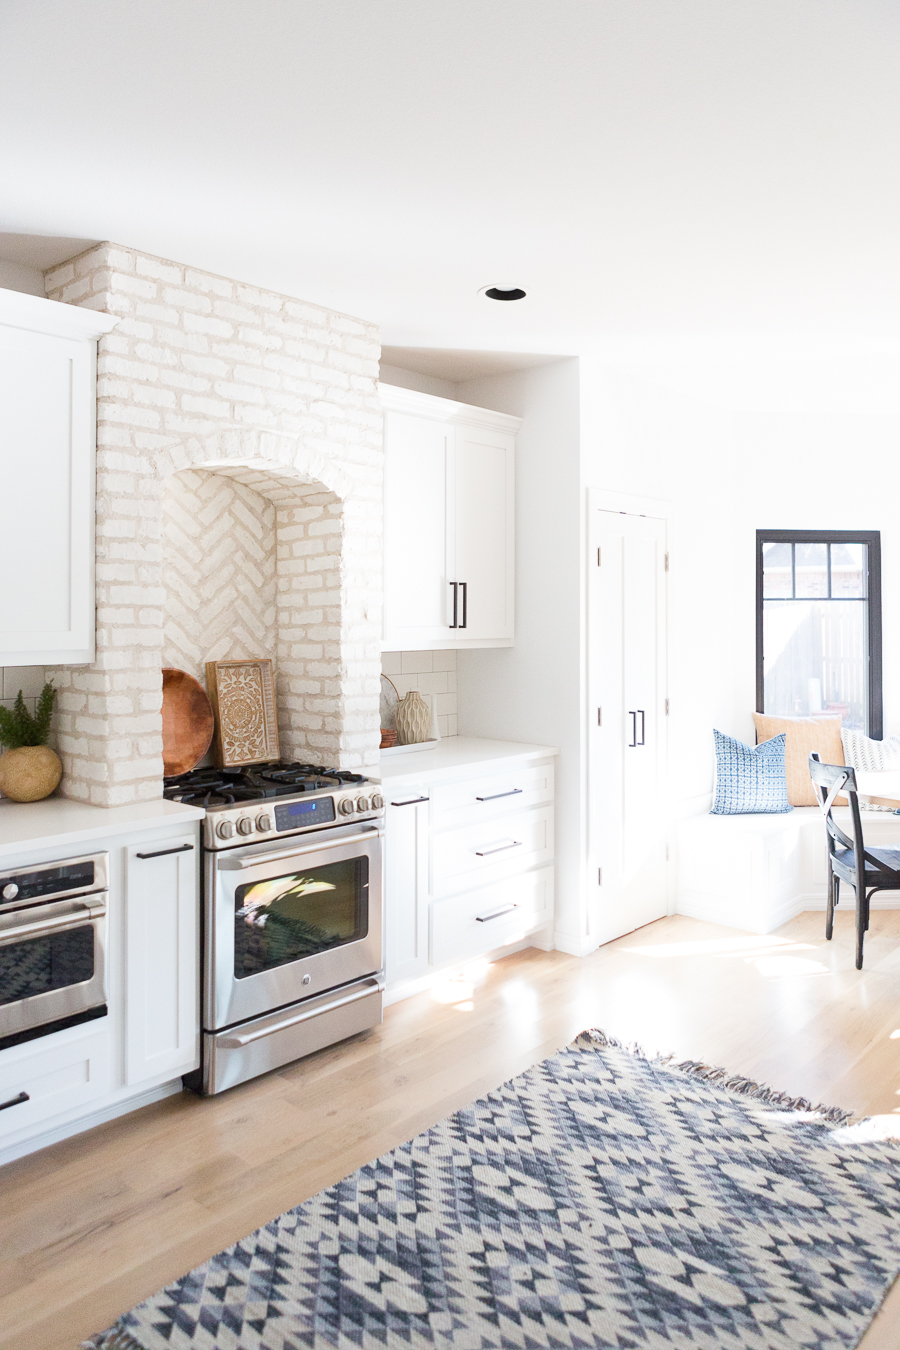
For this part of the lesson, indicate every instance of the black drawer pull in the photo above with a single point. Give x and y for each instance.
(163, 852)
(15, 1101)
(494, 795)
(411, 801)
(497, 914)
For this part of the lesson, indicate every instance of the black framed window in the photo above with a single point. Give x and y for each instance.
(818, 625)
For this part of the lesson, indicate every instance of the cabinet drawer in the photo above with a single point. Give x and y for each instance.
(490, 917)
(488, 795)
(491, 849)
(55, 1078)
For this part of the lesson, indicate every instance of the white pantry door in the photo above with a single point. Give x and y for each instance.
(627, 723)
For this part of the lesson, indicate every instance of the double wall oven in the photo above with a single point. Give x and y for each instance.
(292, 915)
(52, 946)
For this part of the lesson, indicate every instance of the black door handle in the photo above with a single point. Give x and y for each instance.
(633, 742)
(455, 585)
(163, 852)
(15, 1101)
(465, 607)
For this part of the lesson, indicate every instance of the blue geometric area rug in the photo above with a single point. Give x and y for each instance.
(602, 1199)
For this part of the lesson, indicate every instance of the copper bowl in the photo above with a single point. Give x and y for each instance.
(187, 722)
(388, 738)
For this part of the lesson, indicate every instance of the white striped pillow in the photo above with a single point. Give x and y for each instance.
(861, 752)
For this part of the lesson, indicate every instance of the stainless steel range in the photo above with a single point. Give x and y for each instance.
(292, 914)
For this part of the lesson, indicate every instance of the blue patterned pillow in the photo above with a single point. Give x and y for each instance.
(748, 779)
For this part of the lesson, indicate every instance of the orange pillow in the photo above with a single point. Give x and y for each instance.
(804, 734)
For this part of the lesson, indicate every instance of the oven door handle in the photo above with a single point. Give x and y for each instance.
(226, 864)
(239, 1039)
(74, 917)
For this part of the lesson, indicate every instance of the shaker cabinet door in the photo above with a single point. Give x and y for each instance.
(482, 504)
(48, 434)
(162, 942)
(449, 530)
(415, 531)
(405, 885)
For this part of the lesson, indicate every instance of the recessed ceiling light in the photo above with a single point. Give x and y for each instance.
(501, 293)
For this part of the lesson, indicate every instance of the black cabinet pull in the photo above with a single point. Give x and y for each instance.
(455, 585)
(513, 792)
(15, 1101)
(163, 852)
(641, 741)
(465, 605)
(633, 742)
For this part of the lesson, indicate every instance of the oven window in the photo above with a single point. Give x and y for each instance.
(298, 915)
(37, 965)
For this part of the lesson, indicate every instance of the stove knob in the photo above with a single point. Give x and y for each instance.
(245, 825)
(264, 824)
(362, 803)
(11, 891)
(346, 808)
(224, 829)
(377, 802)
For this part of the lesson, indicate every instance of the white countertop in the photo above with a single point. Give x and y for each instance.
(455, 754)
(26, 826)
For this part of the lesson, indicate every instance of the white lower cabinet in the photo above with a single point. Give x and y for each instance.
(406, 885)
(468, 866)
(469, 925)
(40, 1080)
(162, 969)
(56, 1084)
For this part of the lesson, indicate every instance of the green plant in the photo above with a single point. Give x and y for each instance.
(18, 727)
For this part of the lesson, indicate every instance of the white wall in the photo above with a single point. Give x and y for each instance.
(532, 691)
(811, 470)
(640, 438)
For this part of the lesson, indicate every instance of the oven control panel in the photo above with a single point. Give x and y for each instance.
(253, 823)
(53, 881)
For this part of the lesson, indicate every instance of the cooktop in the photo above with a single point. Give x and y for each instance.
(216, 788)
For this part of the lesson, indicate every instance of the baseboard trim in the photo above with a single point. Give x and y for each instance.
(576, 946)
(98, 1117)
(422, 983)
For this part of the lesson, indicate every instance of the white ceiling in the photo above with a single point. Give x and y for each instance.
(695, 171)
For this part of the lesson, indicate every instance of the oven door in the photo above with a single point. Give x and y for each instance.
(52, 966)
(288, 922)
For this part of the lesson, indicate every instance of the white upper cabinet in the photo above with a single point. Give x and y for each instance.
(47, 445)
(449, 523)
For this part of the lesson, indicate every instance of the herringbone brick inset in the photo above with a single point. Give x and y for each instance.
(218, 571)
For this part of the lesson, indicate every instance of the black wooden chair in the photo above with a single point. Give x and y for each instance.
(867, 870)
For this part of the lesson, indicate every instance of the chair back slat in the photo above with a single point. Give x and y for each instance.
(830, 780)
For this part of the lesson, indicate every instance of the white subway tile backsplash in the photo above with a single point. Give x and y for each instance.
(417, 663)
(430, 673)
(30, 679)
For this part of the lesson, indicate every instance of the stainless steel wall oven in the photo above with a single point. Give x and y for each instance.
(52, 946)
(292, 920)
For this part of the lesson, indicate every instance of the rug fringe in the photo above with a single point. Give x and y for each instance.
(114, 1339)
(595, 1039)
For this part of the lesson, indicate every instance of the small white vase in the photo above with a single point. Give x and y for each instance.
(413, 719)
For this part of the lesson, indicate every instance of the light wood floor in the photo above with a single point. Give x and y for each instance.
(91, 1226)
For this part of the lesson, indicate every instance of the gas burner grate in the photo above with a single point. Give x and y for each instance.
(211, 787)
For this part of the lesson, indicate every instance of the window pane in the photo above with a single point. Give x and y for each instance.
(811, 571)
(848, 571)
(777, 576)
(815, 659)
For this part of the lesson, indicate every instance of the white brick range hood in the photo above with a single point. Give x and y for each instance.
(268, 541)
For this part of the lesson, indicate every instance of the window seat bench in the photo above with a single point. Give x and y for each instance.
(756, 872)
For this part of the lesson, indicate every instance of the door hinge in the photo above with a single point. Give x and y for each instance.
(667, 562)
(598, 557)
(599, 876)
(599, 717)
(667, 707)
